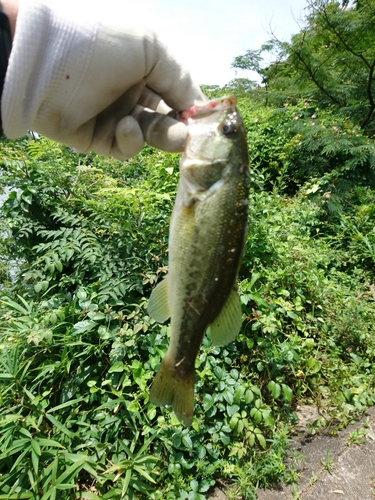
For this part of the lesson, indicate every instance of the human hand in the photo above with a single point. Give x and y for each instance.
(94, 82)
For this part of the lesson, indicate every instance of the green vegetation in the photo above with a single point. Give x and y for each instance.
(83, 243)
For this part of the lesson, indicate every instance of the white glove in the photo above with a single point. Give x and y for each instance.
(91, 76)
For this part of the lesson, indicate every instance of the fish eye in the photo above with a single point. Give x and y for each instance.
(229, 128)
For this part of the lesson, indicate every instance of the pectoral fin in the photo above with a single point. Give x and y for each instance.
(158, 303)
(227, 325)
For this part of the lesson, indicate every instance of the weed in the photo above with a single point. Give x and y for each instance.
(328, 462)
(313, 479)
(358, 436)
(295, 493)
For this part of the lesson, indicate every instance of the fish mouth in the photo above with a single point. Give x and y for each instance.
(207, 108)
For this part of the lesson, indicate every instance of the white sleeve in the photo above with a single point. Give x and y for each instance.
(42, 79)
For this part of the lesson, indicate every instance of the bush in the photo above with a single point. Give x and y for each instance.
(300, 143)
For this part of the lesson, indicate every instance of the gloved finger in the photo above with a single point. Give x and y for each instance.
(160, 130)
(169, 79)
(122, 106)
(107, 122)
(149, 99)
(128, 139)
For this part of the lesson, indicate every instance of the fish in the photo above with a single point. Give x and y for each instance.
(206, 240)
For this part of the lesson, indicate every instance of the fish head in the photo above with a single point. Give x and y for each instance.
(216, 143)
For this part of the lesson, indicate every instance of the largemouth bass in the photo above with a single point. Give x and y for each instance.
(206, 240)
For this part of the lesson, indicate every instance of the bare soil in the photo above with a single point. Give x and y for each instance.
(331, 467)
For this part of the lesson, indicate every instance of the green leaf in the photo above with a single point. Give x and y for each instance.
(50, 494)
(35, 446)
(208, 402)
(287, 392)
(143, 472)
(69, 252)
(81, 294)
(194, 485)
(249, 396)
(219, 372)
(274, 389)
(96, 316)
(133, 406)
(231, 410)
(234, 421)
(238, 393)
(126, 482)
(17, 446)
(256, 415)
(50, 443)
(261, 439)
(16, 496)
(313, 365)
(70, 402)
(251, 439)
(104, 332)
(6, 419)
(83, 326)
(186, 439)
(228, 395)
(35, 462)
(268, 418)
(69, 473)
(151, 413)
(14, 305)
(27, 197)
(58, 262)
(60, 426)
(117, 367)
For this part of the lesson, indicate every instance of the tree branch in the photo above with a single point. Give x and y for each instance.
(314, 79)
(369, 96)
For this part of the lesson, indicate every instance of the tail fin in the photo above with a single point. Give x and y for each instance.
(169, 389)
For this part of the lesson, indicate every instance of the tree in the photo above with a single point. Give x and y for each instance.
(334, 55)
(331, 61)
(253, 60)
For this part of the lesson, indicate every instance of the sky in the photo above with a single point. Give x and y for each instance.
(208, 34)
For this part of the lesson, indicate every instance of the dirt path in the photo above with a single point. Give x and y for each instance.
(338, 467)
